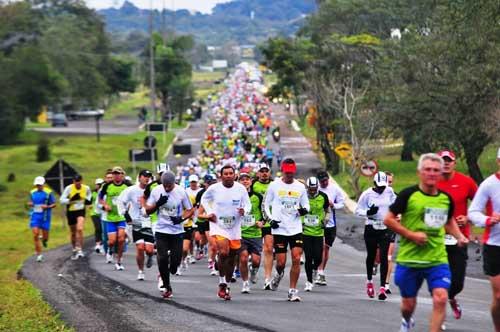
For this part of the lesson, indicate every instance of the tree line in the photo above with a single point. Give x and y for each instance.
(425, 72)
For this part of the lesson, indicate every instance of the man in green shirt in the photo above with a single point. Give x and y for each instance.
(426, 215)
(260, 187)
(251, 234)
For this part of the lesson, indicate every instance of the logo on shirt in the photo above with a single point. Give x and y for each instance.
(236, 202)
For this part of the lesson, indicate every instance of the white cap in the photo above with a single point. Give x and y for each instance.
(39, 181)
(498, 153)
(161, 168)
(99, 181)
(312, 182)
(380, 179)
(193, 178)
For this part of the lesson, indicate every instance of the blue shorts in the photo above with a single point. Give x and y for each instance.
(410, 279)
(40, 223)
(112, 226)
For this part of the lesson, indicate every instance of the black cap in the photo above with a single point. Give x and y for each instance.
(146, 173)
(322, 175)
(77, 177)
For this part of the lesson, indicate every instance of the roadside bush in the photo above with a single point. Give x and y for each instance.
(43, 150)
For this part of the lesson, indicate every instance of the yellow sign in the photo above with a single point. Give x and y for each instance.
(344, 150)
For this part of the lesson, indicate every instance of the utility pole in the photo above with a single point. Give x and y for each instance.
(152, 93)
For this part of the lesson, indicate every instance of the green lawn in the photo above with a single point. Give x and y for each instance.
(127, 105)
(202, 76)
(21, 306)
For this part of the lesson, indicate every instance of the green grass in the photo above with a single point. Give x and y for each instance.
(201, 76)
(128, 104)
(21, 306)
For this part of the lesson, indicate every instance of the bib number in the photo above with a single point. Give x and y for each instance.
(248, 221)
(169, 211)
(435, 217)
(227, 222)
(79, 205)
(37, 208)
(378, 224)
(311, 220)
(450, 240)
(288, 206)
(145, 223)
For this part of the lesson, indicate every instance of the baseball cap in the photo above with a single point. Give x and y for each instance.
(209, 178)
(312, 181)
(193, 178)
(39, 181)
(99, 181)
(263, 165)
(117, 169)
(146, 173)
(447, 153)
(242, 175)
(288, 166)
(380, 179)
(322, 175)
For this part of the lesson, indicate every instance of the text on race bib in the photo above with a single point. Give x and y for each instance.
(311, 220)
(226, 222)
(435, 217)
(378, 224)
(248, 221)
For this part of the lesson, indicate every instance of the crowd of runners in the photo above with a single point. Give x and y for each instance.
(226, 206)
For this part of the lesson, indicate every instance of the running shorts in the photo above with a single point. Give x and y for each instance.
(74, 215)
(112, 226)
(491, 260)
(252, 245)
(330, 235)
(410, 279)
(281, 242)
(143, 235)
(233, 244)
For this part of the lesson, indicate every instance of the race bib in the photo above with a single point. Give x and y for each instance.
(378, 224)
(450, 240)
(114, 201)
(145, 223)
(78, 205)
(435, 217)
(248, 221)
(311, 220)
(37, 208)
(227, 222)
(169, 211)
(288, 205)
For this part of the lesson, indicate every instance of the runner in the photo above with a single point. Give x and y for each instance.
(189, 225)
(260, 187)
(114, 221)
(336, 200)
(488, 197)
(202, 235)
(461, 188)
(392, 243)
(108, 178)
(41, 202)
(172, 205)
(96, 216)
(285, 202)
(75, 197)
(251, 233)
(314, 224)
(130, 201)
(225, 203)
(373, 204)
(426, 214)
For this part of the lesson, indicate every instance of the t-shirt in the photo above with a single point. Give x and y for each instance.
(147, 193)
(313, 221)
(75, 204)
(38, 198)
(110, 193)
(421, 212)
(368, 198)
(249, 228)
(461, 188)
(192, 197)
(261, 189)
(337, 198)
(178, 201)
(224, 203)
(282, 202)
(130, 200)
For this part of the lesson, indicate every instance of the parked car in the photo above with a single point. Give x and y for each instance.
(84, 113)
(59, 119)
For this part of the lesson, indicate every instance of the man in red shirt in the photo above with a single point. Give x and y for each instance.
(461, 188)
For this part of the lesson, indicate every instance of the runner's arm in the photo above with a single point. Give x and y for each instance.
(362, 206)
(478, 206)
(65, 196)
(338, 200)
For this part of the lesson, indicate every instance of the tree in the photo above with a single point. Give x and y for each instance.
(120, 74)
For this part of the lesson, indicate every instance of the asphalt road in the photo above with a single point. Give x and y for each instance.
(120, 126)
(92, 296)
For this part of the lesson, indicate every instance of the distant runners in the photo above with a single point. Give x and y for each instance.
(41, 202)
(76, 196)
(285, 202)
(426, 215)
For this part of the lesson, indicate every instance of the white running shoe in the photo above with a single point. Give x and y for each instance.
(213, 272)
(140, 276)
(246, 287)
(80, 254)
(179, 272)
(74, 255)
(39, 258)
(109, 258)
(253, 274)
(119, 267)
(267, 284)
(309, 286)
(97, 248)
(191, 259)
(407, 326)
(161, 287)
(276, 281)
(293, 295)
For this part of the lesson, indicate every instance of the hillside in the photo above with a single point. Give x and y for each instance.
(243, 21)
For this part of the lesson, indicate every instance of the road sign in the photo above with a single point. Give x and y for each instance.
(156, 126)
(142, 155)
(59, 176)
(344, 150)
(369, 168)
(149, 142)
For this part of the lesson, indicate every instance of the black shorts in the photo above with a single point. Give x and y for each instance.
(491, 260)
(330, 235)
(74, 215)
(203, 227)
(266, 231)
(252, 245)
(392, 235)
(143, 235)
(281, 242)
(188, 233)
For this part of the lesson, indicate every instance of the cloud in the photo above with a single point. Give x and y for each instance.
(204, 6)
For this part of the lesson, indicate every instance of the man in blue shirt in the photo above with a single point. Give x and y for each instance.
(41, 202)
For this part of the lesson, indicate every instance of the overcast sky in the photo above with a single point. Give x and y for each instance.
(204, 6)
